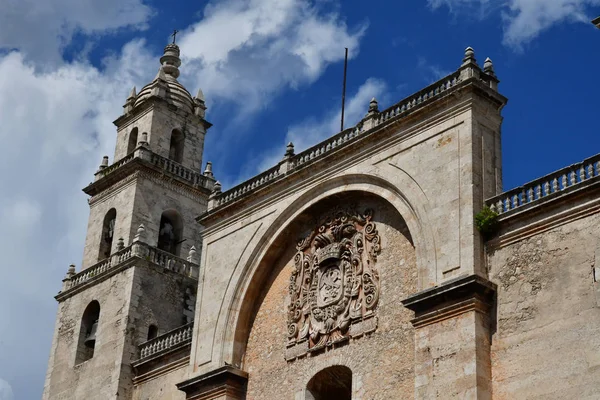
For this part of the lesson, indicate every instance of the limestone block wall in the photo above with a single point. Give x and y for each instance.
(382, 362)
(162, 387)
(97, 378)
(547, 342)
(153, 197)
(158, 121)
(121, 200)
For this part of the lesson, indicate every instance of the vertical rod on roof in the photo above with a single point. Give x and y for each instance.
(344, 90)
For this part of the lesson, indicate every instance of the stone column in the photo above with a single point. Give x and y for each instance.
(225, 383)
(452, 339)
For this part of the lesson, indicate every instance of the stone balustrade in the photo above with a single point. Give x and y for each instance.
(349, 135)
(167, 341)
(103, 171)
(165, 164)
(187, 174)
(418, 98)
(546, 186)
(140, 250)
(247, 186)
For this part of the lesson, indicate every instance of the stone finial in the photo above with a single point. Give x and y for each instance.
(143, 139)
(469, 56)
(120, 244)
(104, 162)
(217, 188)
(192, 255)
(373, 106)
(208, 172)
(140, 235)
(71, 271)
(170, 60)
(488, 67)
(160, 75)
(200, 96)
(132, 94)
(289, 150)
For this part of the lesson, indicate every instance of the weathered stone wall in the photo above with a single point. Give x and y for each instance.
(98, 377)
(548, 333)
(129, 302)
(153, 196)
(382, 362)
(162, 387)
(120, 200)
(142, 201)
(158, 122)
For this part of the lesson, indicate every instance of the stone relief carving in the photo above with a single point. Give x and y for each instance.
(334, 288)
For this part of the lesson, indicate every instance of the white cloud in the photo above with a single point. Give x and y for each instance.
(525, 19)
(56, 125)
(246, 51)
(41, 29)
(314, 130)
(6, 392)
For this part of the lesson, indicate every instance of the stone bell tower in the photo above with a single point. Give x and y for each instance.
(139, 272)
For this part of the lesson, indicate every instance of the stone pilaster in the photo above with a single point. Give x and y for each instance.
(452, 339)
(225, 383)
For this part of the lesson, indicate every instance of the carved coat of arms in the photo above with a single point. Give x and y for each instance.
(334, 286)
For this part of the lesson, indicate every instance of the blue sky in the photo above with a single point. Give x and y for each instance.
(271, 72)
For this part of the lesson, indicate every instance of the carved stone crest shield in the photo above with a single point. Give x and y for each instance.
(334, 288)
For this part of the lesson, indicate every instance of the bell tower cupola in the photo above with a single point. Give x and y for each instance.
(165, 116)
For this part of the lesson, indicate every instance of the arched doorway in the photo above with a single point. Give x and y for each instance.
(332, 383)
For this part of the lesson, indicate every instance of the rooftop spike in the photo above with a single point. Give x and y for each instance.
(488, 67)
(200, 95)
(132, 94)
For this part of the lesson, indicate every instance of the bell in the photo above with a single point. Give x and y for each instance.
(90, 339)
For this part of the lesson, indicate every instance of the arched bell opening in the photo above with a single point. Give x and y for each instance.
(133, 140)
(176, 146)
(88, 333)
(361, 255)
(152, 332)
(332, 383)
(108, 233)
(170, 232)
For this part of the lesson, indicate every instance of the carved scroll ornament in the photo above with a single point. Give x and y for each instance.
(335, 285)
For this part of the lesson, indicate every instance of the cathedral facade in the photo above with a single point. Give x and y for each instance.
(385, 262)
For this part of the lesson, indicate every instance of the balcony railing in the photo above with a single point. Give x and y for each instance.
(140, 250)
(167, 165)
(166, 341)
(549, 185)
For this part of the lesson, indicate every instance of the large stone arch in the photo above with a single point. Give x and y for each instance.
(410, 203)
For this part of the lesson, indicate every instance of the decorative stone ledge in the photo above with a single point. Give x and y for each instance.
(121, 260)
(223, 383)
(144, 157)
(454, 297)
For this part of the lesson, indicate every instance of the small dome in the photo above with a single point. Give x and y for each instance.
(166, 78)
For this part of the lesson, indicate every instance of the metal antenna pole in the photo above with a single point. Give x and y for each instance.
(344, 89)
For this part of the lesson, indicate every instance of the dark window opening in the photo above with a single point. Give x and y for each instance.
(152, 332)
(133, 139)
(170, 232)
(88, 332)
(333, 383)
(176, 146)
(108, 233)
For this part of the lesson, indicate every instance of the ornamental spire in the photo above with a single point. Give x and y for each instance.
(170, 60)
